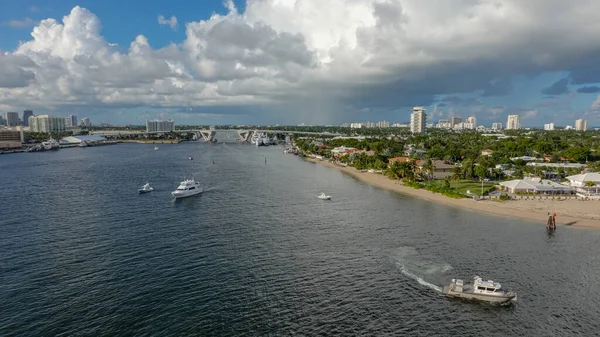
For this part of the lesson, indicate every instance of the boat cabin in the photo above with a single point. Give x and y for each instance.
(486, 287)
(187, 185)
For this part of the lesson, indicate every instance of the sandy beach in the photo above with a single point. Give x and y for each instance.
(574, 213)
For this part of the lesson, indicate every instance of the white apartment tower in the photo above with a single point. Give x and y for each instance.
(549, 126)
(513, 123)
(581, 125)
(71, 121)
(418, 120)
(496, 126)
(470, 123)
(160, 126)
(46, 124)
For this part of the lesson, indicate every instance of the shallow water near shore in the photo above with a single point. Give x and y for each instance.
(258, 254)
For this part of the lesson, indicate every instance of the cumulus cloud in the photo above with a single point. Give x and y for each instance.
(171, 22)
(337, 54)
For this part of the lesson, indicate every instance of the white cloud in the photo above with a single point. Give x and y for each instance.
(596, 104)
(172, 22)
(369, 52)
(25, 23)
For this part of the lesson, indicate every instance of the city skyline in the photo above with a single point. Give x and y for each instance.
(267, 62)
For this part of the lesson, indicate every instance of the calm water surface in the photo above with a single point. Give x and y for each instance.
(259, 255)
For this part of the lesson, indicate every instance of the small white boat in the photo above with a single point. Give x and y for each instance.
(323, 196)
(187, 188)
(480, 290)
(146, 188)
(190, 158)
(155, 148)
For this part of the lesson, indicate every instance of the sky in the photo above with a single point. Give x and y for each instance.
(302, 61)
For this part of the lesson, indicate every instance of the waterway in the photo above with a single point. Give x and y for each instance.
(257, 254)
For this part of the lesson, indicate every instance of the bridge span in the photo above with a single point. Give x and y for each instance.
(209, 135)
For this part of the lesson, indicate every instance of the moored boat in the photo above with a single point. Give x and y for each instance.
(479, 290)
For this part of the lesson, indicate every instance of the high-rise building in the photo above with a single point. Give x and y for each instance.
(160, 126)
(46, 124)
(26, 115)
(455, 121)
(418, 120)
(71, 121)
(12, 119)
(581, 125)
(85, 122)
(383, 124)
(2, 122)
(471, 123)
(549, 126)
(513, 123)
(496, 126)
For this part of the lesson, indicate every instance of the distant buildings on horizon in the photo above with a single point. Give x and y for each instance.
(42, 123)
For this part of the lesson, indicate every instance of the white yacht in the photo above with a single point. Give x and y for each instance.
(187, 188)
(51, 144)
(480, 290)
(324, 196)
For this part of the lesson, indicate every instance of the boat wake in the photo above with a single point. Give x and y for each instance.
(419, 268)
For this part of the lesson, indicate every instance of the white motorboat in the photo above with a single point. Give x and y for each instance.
(51, 144)
(146, 188)
(480, 290)
(324, 196)
(187, 188)
(155, 148)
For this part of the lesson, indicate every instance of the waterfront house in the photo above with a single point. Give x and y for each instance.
(391, 161)
(340, 151)
(441, 169)
(535, 186)
(586, 184)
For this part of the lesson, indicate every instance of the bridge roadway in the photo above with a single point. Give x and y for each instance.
(208, 135)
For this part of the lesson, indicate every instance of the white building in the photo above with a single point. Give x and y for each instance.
(581, 125)
(383, 124)
(535, 185)
(513, 123)
(549, 126)
(71, 121)
(580, 181)
(160, 126)
(497, 126)
(471, 123)
(418, 120)
(46, 124)
(85, 122)
(355, 125)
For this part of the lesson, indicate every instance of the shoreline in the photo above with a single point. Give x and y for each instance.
(534, 210)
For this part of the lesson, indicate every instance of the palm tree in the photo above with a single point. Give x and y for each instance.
(457, 173)
(427, 169)
(589, 185)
